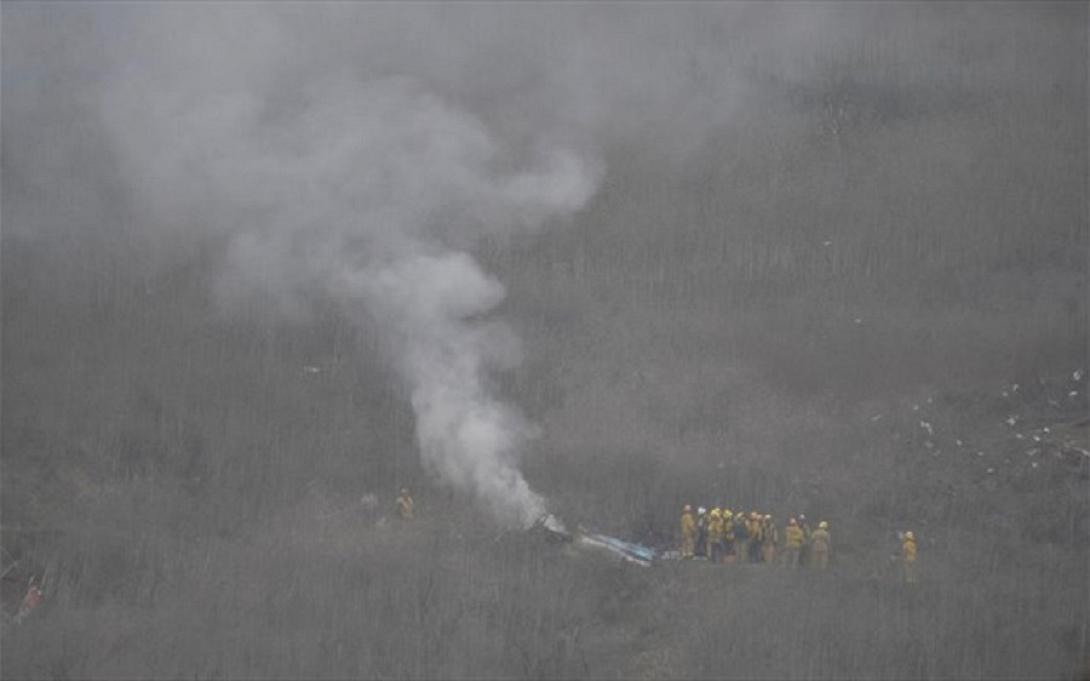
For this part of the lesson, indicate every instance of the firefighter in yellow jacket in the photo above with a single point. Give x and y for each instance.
(792, 543)
(688, 532)
(821, 545)
(404, 505)
(715, 535)
(753, 531)
(729, 550)
(908, 557)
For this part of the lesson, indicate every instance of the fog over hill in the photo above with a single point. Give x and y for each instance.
(264, 264)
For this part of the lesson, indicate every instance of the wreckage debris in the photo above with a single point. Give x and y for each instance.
(701, 543)
(554, 531)
(627, 551)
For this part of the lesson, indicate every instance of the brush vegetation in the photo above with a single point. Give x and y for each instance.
(763, 325)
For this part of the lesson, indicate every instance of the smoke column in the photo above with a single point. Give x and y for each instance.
(370, 193)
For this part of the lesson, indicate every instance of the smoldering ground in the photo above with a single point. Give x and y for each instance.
(260, 260)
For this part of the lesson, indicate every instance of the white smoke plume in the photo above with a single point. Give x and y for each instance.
(370, 193)
(358, 151)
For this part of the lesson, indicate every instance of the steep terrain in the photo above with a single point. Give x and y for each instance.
(835, 263)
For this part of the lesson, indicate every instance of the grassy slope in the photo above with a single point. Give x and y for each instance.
(220, 545)
(185, 482)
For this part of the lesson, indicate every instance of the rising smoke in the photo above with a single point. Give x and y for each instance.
(369, 194)
(358, 153)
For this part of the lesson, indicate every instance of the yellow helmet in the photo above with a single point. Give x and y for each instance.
(714, 513)
(823, 525)
(727, 513)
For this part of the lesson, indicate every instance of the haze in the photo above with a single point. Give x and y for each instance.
(264, 265)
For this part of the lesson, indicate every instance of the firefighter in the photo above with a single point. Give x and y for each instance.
(821, 545)
(688, 532)
(807, 534)
(792, 543)
(715, 535)
(728, 536)
(741, 537)
(405, 505)
(702, 532)
(770, 536)
(908, 557)
(753, 529)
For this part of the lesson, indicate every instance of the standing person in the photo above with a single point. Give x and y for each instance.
(405, 505)
(754, 531)
(688, 532)
(908, 557)
(770, 536)
(792, 543)
(821, 546)
(715, 535)
(702, 532)
(807, 534)
(728, 536)
(741, 537)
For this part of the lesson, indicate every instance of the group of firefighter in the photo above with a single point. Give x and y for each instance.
(722, 536)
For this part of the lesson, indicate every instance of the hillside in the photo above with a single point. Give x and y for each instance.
(242, 520)
(264, 265)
